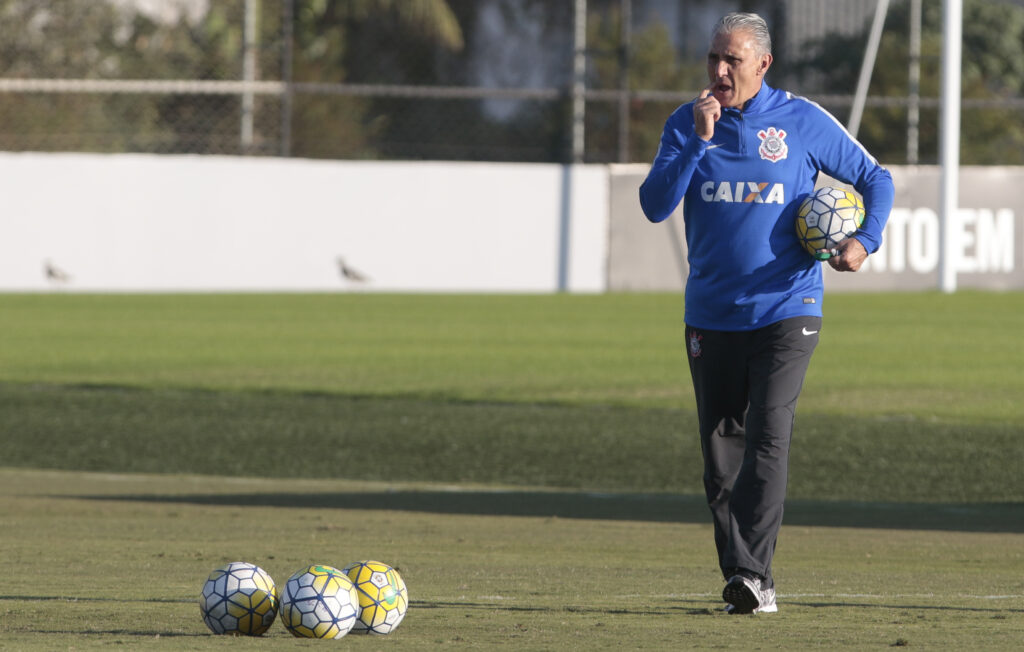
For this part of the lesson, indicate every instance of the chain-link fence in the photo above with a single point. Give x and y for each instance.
(485, 80)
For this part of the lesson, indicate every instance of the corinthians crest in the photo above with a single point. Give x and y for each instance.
(773, 144)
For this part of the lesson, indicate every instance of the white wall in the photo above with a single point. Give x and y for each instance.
(144, 223)
(190, 223)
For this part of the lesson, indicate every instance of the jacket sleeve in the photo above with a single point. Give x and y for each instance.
(843, 158)
(673, 167)
(878, 193)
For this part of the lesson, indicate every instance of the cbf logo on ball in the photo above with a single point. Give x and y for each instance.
(773, 144)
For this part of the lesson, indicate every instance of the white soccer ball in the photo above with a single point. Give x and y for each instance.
(383, 598)
(825, 218)
(319, 602)
(240, 599)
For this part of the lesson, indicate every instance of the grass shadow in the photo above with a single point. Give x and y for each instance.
(916, 607)
(76, 598)
(668, 508)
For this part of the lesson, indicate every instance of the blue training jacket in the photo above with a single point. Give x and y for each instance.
(740, 194)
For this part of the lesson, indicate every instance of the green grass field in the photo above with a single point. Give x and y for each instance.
(529, 463)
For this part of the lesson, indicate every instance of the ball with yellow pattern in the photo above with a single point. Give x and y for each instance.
(383, 597)
(240, 599)
(319, 602)
(825, 218)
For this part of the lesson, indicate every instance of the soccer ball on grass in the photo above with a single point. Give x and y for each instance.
(383, 598)
(825, 218)
(239, 599)
(319, 602)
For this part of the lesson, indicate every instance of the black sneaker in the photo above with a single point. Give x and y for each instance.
(745, 595)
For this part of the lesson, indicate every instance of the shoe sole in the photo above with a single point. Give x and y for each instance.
(770, 609)
(741, 596)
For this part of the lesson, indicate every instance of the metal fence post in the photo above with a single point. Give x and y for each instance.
(249, 74)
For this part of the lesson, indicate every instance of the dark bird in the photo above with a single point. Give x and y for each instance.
(350, 273)
(54, 274)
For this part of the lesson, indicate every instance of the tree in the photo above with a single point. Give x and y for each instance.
(98, 40)
(653, 63)
(349, 42)
(993, 69)
(39, 42)
(107, 40)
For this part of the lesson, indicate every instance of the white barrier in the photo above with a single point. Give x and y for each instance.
(144, 223)
(191, 223)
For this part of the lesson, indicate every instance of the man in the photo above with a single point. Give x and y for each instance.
(741, 157)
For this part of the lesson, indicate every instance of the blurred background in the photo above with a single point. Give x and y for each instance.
(473, 80)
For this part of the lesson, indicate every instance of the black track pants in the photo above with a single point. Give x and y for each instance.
(746, 384)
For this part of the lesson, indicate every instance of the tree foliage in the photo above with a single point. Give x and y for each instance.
(992, 69)
(97, 40)
(523, 44)
(652, 63)
(363, 42)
